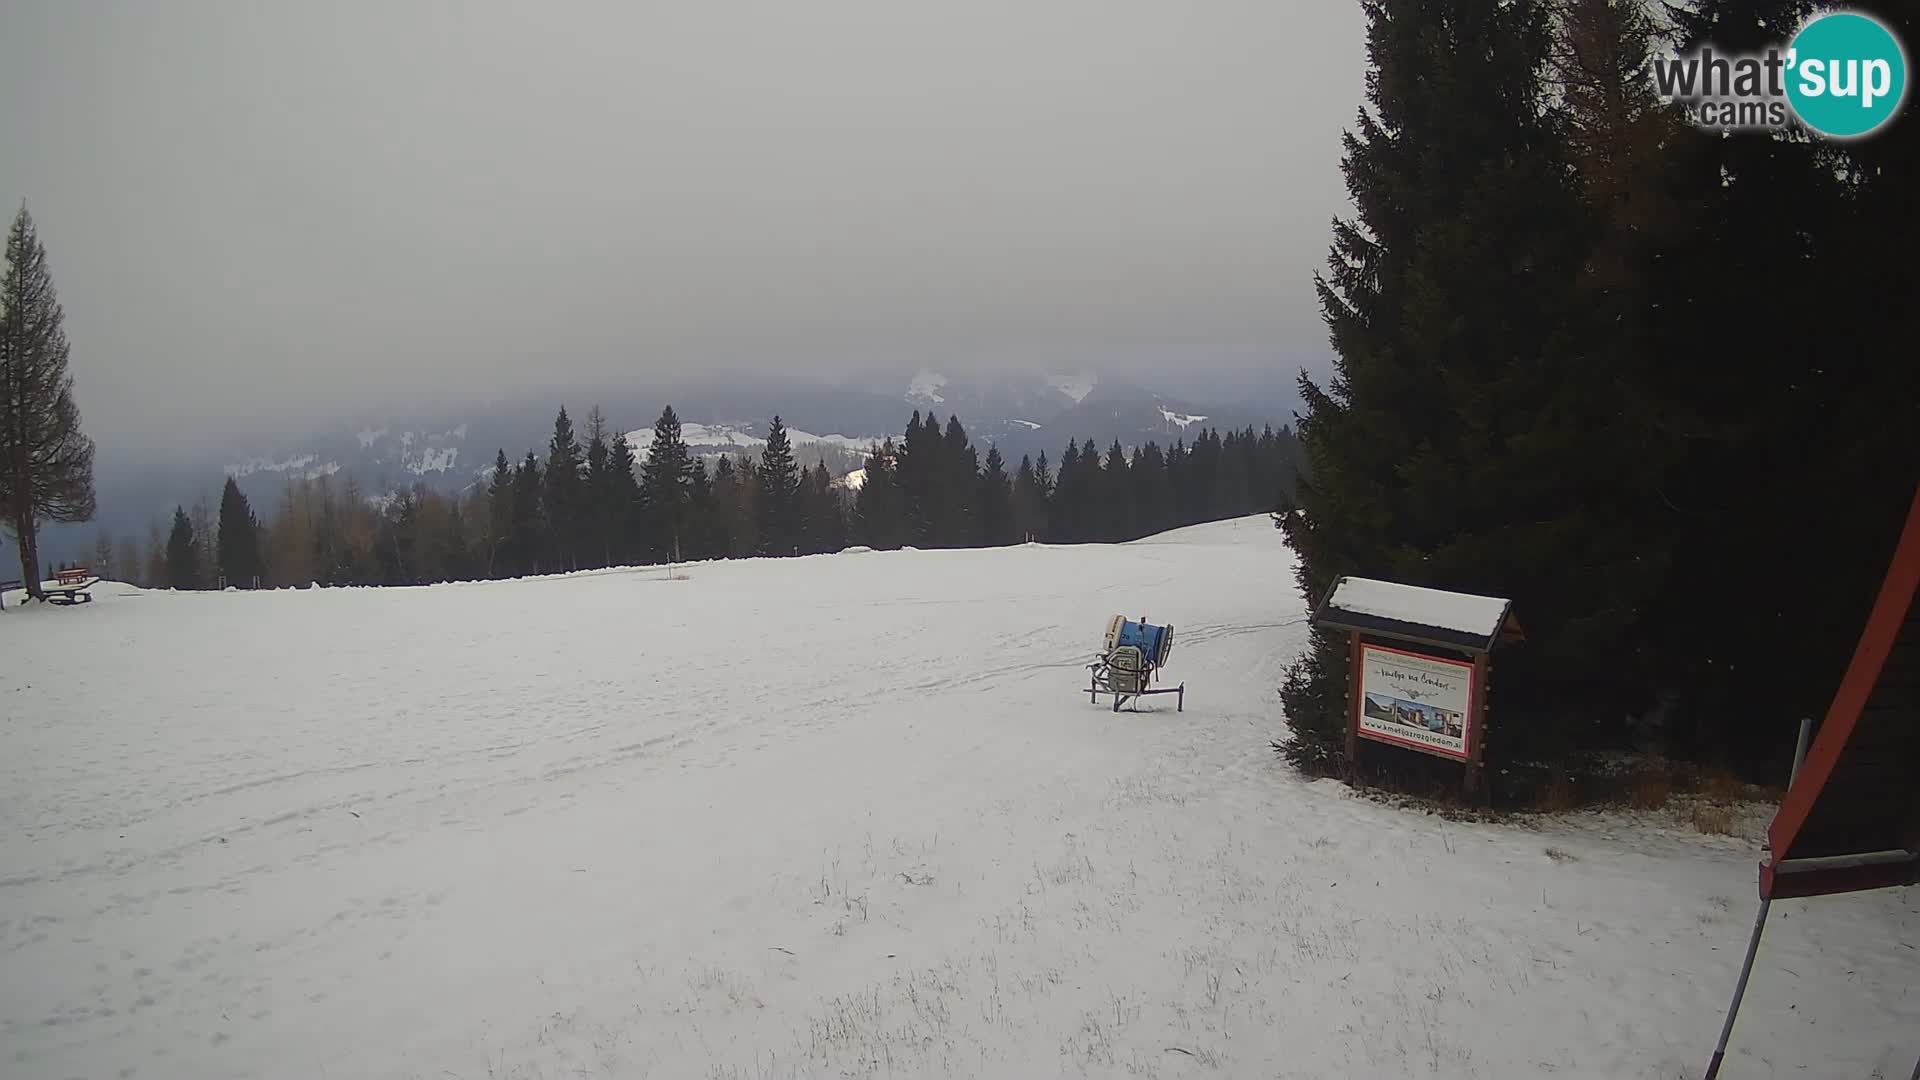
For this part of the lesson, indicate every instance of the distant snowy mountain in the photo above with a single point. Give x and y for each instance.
(999, 399)
(925, 389)
(709, 442)
(303, 467)
(1076, 387)
(1039, 413)
(723, 438)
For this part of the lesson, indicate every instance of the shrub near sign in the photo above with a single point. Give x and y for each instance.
(1421, 702)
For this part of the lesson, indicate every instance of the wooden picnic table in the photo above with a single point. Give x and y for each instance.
(75, 593)
(70, 586)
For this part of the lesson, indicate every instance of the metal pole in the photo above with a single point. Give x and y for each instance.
(1759, 924)
(1800, 749)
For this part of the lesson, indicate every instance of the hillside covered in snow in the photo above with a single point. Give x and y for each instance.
(847, 815)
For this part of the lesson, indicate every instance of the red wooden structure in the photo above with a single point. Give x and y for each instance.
(1850, 820)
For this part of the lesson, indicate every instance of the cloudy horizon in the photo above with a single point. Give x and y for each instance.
(260, 217)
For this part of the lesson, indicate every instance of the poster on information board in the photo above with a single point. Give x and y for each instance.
(1420, 702)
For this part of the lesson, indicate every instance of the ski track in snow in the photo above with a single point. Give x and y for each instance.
(843, 815)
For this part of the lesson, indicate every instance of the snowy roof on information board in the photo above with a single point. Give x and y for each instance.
(1460, 620)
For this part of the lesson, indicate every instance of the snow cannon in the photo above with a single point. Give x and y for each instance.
(1154, 642)
(1132, 655)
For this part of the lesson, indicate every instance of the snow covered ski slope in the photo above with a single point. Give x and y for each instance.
(844, 815)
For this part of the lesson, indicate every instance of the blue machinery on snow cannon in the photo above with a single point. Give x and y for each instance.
(1134, 653)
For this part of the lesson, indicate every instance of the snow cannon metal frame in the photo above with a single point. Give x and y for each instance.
(1133, 654)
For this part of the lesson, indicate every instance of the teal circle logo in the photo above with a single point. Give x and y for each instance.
(1846, 74)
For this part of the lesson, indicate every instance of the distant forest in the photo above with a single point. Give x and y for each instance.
(589, 502)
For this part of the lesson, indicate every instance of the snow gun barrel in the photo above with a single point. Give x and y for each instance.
(1154, 642)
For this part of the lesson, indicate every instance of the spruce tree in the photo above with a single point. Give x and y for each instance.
(105, 558)
(1462, 403)
(239, 539)
(597, 492)
(1024, 502)
(1089, 490)
(529, 519)
(563, 493)
(1233, 484)
(1180, 482)
(722, 512)
(777, 507)
(154, 569)
(1620, 137)
(957, 484)
(823, 528)
(500, 555)
(1066, 512)
(666, 480)
(1116, 496)
(917, 469)
(1151, 494)
(994, 502)
(745, 511)
(128, 559)
(879, 506)
(46, 462)
(700, 509)
(1198, 502)
(1795, 415)
(183, 553)
(623, 478)
(206, 543)
(1043, 486)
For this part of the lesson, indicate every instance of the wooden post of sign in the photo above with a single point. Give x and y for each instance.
(1353, 701)
(1476, 750)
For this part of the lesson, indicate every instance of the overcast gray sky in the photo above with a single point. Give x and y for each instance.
(297, 208)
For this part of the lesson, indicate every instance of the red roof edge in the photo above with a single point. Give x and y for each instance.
(1883, 625)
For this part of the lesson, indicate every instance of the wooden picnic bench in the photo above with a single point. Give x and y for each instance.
(71, 585)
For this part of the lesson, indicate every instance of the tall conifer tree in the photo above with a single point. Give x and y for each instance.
(666, 482)
(46, 462)
(239, 539)
(994, 503)
(183, 553)
(1453, 297)
(778, 509)
(563, 495)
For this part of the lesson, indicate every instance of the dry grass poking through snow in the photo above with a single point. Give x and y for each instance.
(1713, 819)
(1711, 801)
(1651, 791)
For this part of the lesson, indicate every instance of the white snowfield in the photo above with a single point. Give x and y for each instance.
(847, 815)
